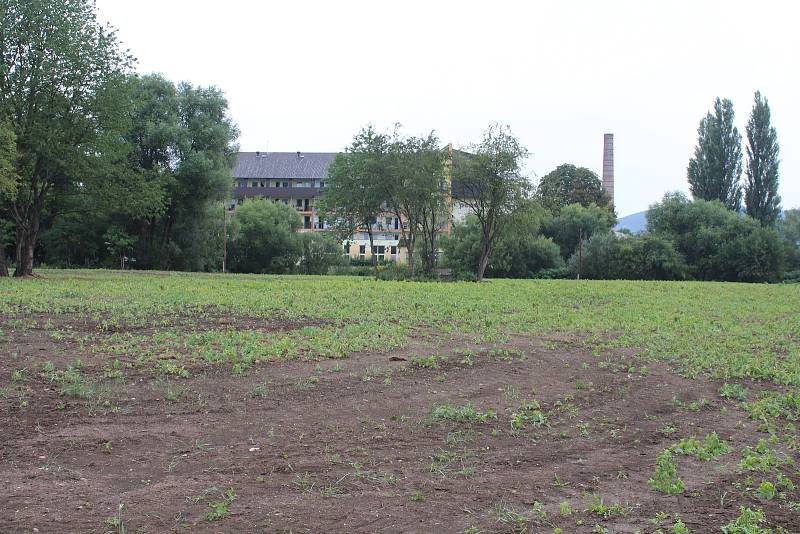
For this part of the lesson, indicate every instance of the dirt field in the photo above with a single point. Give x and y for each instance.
(356, 445)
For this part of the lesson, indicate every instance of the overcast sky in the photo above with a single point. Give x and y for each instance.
(306, 75)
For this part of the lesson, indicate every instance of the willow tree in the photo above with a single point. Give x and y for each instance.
(59, 92)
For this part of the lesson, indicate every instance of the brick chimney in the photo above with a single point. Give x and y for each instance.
(608, 165)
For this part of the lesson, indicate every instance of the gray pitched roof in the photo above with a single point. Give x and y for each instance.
(313, 165)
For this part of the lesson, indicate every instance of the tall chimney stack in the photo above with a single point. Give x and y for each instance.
(608, 165)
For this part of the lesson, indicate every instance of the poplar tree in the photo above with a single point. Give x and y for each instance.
(716, 168)
(761, 183)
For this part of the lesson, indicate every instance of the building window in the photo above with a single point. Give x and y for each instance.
(285, 184)
(379, 251)
(393, 251)
(346, 249)
(362, 252)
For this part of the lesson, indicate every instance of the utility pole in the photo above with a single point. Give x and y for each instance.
(580, 253)
(224, 234)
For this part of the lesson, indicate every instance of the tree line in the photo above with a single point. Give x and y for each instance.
(99, 166)
(732, 230)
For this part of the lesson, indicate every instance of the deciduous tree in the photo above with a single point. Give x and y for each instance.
(490, 184)
(263, 237)
(59, 71)
(356, 188)
(418, 195)
(568, 184)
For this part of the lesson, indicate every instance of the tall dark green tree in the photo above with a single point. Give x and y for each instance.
(182, 150)
(59, 73)
(761, 198)
(716, 168)
(491, 185)
(568, 184)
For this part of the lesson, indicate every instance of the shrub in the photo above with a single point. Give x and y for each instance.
(748, 522)
(646, 257)
(666, 478)
(717, 244)
(318, 253)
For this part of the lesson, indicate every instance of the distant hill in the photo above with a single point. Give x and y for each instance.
(635, 223)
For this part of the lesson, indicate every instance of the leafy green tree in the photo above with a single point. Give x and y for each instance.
(761, 184)
(568, 184)
(61, 71)
(263, 238)
(490, 184)
(575, 223)
(183, 151)
(163, 186)
(716, 168)
(521, 250)
(8, 185)
(357, 186)
(417, 195)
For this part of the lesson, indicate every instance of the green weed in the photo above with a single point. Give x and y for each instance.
(460, 414)
(666, 478)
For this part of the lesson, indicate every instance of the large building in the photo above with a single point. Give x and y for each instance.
(297, 179)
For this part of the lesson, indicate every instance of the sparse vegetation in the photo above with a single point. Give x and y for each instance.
(460, 414)
(666, 478)
(459, 390)
(708, 448)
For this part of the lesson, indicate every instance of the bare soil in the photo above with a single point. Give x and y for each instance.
(347, 445)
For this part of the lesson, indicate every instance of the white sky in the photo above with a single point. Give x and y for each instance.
(306, 75)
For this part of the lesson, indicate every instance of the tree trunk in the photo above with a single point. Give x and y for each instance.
(410, 251)
(27, 232)
(3, 266)
(483, 263)
(26, 242)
